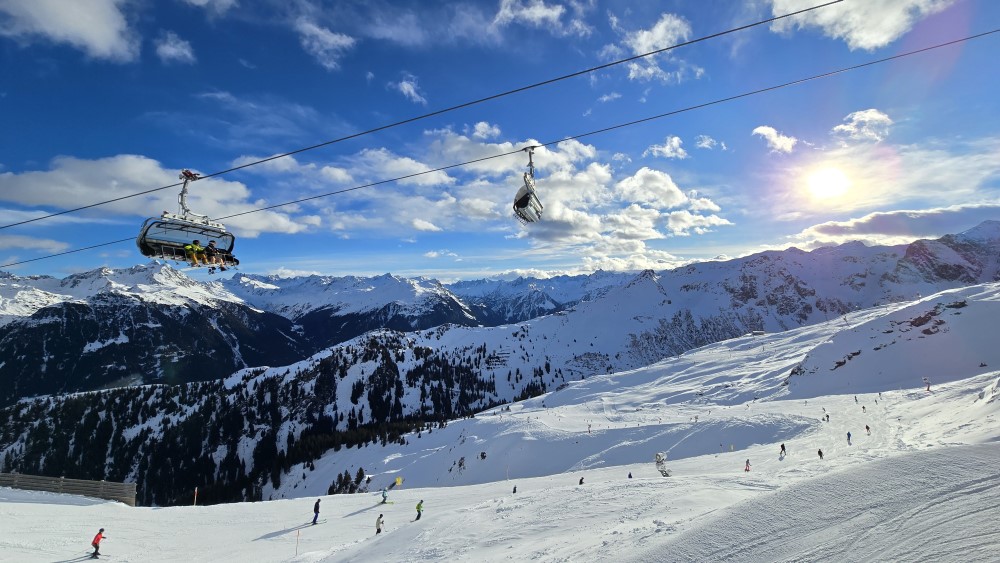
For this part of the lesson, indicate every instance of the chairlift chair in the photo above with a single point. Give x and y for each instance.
(165, 236)
(527, 208)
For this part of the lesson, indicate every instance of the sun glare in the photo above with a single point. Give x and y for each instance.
(827, 183)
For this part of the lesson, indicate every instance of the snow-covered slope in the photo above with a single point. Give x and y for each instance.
(747, 390)
(919, 487)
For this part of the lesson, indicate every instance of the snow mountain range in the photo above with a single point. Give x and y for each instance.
(278, 372)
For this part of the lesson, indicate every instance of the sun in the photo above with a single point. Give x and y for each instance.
(827, 183)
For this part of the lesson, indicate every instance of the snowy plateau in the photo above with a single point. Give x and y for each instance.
(885, 359)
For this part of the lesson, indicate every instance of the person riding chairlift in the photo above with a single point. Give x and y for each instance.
(195, 253)
(214, 256)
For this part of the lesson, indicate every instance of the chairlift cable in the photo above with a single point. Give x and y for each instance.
(433, 113)
(578, 136)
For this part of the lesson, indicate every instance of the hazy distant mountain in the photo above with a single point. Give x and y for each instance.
(331, 309)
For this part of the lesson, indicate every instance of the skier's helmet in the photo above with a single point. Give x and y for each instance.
(101, 530)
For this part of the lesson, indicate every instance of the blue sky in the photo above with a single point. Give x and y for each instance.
(107, 98)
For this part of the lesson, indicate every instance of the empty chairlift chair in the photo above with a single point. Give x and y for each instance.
(527, 208)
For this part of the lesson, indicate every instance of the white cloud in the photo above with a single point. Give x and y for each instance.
(535, 13)
(668, 31)
(706, 142)
(398, 26)
(278, 165)
(424, 225)
(612, 52)
(246, 64)
(326, 46)
(382, 164)
(449, 147)
(634, 222)
(775, 141)
(369, 76)
(683, 222)
(469, 23)
(892, 228)
(287, 167)
(409, 88)
(484, 130)
(696, 203)
(538, 14)
(22, 242)
(651, 186)
(862, 25)
(250, 124)
(70, 180)
(587, 213)
(336, 174)
(476, 207)
(99, 28)
(644, 259)
(283, 272)
(671, 148)
(172, 49)
(910, 224)
(440, 254)
(609, 97)
(216, 7)
(865, 125)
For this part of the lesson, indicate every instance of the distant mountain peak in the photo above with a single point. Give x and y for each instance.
(986, 231)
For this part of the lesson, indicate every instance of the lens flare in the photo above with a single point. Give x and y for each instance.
(827, 183)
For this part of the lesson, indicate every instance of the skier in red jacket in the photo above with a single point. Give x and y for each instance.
(97, 543)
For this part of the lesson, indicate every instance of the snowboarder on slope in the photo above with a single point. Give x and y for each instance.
(315, 512)
(420, 509)
(515, 490)
(629, 474)
(848, 438)
(868, 430)
(782, 450)
(820, 452)
(96, 544)
(747, 468)
(385, 495)
(581, 480)
(378, 525)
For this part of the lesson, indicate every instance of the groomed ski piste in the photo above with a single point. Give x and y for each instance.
(920, 487)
